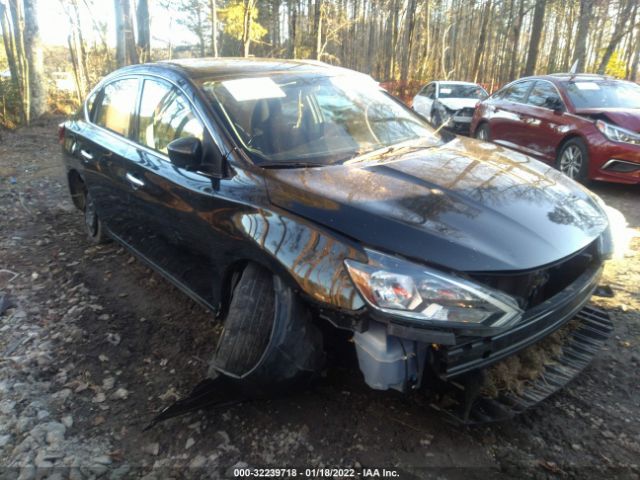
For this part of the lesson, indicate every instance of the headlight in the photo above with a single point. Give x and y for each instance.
(427, 296)
(617, 134)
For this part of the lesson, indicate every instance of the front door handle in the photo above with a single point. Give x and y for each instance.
(135, 182)
(86, 154)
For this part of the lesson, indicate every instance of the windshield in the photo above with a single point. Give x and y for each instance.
(603, 94)
(453, 90)
(307, 118)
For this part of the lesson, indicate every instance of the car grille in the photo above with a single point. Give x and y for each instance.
(466, 112)
(534, 287)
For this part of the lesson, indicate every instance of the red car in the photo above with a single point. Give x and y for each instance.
(586, 125)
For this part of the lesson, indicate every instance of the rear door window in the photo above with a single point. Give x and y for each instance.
(117, 106)
(165, 115)
(517, 92)
(543, 94)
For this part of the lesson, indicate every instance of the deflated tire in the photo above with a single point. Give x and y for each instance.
(268, 336)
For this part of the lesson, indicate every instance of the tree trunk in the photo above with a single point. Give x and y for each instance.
(534, 41)
(317, 28)
(551, 64)
(144, 33)
(18, 21)
(293, 14)
(517, 28)
(121, 55)
(407, 41)
(126, 53)
(214, 26)
(200, 28)
(246, 26)
(586, 6)
(9, 46)
(71, 41)
(481, 39)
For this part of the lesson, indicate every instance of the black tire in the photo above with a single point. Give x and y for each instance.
(483, 132)
(268, 337)
(435, 120)
(92, 223)
(573, 160)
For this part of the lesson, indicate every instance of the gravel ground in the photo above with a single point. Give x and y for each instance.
(95, 343)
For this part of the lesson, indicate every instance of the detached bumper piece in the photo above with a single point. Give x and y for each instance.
(466, 405)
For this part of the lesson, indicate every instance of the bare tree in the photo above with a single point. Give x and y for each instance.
(249, 6)
(126, 53)
(144, 31)
(584, 18)
(9, 44)
(214, 26)
(534, 42)
(16, 9)
(318, 29)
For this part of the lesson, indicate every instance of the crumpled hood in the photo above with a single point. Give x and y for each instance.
(467, 206)
(458, 103)
(628, 118)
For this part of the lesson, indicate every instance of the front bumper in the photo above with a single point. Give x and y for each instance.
(615, 162)
(477, 353)
(459, 123)
(466, 404)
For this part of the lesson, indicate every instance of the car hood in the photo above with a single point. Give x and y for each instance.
(628, 118)
(466, 206)
(458, 103)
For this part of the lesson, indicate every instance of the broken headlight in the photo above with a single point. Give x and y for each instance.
(617, 134)
(424, 295)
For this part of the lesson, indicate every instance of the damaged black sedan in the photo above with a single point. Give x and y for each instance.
(288, 196)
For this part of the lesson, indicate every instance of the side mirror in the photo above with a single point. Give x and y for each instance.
(185, 152)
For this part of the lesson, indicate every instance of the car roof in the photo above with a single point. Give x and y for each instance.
(219, 68)
(455, 82)
(565, 77)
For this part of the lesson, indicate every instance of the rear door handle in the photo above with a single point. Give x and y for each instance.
(86, 154)
(135, 182)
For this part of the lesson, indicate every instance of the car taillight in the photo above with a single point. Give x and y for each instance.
(61, 133)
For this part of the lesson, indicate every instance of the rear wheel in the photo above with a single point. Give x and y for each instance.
(269, 337)
(573, 160)
(92, 223)
(483, 133)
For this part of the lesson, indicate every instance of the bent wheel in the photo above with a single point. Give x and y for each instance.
(268, 335)
(573, 160)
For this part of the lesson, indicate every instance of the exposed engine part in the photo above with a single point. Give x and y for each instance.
(387, 361)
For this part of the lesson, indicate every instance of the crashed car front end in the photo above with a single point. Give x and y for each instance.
(424, 326)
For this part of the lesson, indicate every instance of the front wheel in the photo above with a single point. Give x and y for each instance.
(573, 160)
(483, 133)
(435, 120)
(268, 337)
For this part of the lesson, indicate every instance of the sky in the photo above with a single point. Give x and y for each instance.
(54, 25)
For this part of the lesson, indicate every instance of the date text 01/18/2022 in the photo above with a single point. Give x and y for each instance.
(315, 472)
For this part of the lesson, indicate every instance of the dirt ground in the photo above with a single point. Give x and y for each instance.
(96, 343)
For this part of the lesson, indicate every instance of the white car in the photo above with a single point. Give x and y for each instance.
(449, 102)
